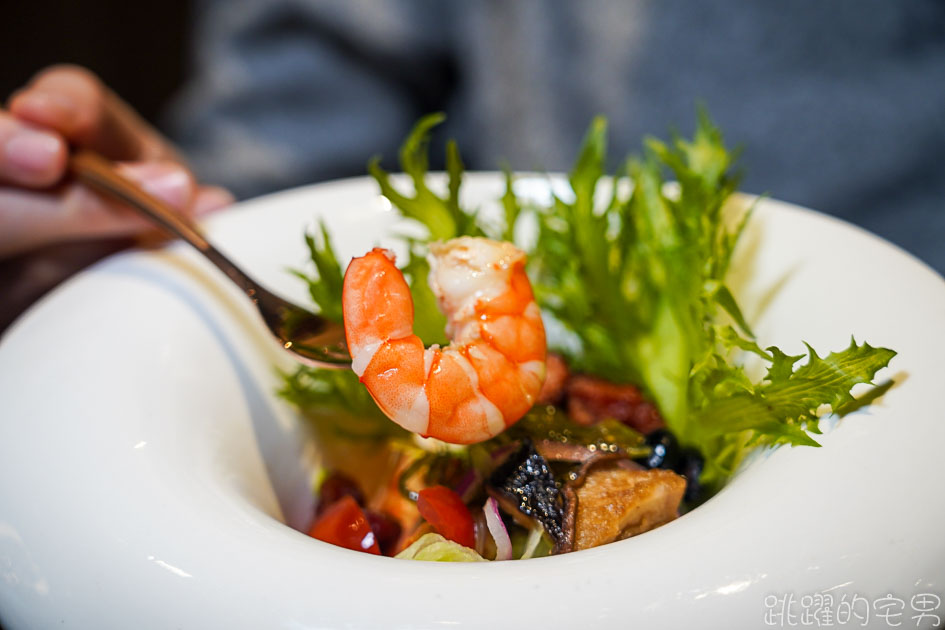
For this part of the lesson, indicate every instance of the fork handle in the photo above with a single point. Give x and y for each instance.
(101, 174)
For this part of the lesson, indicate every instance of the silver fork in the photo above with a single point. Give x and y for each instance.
(314, 339)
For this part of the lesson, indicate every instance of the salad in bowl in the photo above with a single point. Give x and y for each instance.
(159, 481)
(567, 372)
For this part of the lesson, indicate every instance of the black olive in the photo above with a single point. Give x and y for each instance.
(691, 463)
(664, 451)
(386, 530)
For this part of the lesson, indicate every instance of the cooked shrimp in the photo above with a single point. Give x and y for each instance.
(492, 370)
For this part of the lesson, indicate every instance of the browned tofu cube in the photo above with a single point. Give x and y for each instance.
(616, 503)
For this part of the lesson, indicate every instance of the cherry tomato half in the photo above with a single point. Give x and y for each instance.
(449, 516)
(344, 524)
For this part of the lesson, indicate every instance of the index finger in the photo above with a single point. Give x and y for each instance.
(74, 102)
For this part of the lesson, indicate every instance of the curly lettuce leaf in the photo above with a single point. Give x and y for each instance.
(336, 401)
(785, 408)
(638, 280)
(442, 216)
(641, 283)
(326, 281)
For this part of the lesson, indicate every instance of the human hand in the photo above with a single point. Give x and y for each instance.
(39, 205)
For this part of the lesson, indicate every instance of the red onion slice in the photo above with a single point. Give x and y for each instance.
(503, 543)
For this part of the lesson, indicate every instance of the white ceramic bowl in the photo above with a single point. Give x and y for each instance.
(150, 478)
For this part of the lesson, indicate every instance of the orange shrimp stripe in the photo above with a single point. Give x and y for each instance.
(397, 370)
(514, 300)
(389, 311)
(455, 413)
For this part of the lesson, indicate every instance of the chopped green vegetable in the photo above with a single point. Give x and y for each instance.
(434, 548)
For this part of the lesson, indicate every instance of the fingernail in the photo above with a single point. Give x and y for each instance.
(169, 182)
(33, 151)
(210, 198)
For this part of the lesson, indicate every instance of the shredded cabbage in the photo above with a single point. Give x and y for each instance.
(435, 548)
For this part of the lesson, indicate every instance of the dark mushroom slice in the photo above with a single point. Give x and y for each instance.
(557, 438)
(554, 451)
(525, 487)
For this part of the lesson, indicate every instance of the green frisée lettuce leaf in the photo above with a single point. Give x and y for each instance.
(644, 276)
(434, 548)
(325, 282)
(732, 416)
(442, 215)
(334, 398)
(338, 402)
(633, 266)
(640, 281)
